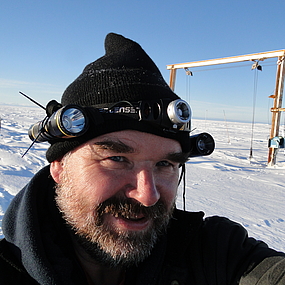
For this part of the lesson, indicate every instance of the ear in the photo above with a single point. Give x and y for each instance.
(56, 168)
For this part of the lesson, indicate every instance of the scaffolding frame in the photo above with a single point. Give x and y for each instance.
(279, 85)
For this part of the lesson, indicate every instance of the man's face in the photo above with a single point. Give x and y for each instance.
(117, 192)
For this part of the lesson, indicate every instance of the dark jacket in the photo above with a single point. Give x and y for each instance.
(215, 250)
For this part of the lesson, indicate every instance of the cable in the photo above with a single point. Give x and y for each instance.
(182, 176)
(253, 109)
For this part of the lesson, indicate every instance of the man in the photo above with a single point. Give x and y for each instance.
(104, 212)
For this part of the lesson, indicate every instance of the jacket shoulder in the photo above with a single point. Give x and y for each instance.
(214, 248)
(12, 271)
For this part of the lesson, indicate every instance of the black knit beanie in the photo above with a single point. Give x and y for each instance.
(124, 73)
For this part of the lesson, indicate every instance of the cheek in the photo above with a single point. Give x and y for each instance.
(169, 194)
(168, 188)
(94, 185)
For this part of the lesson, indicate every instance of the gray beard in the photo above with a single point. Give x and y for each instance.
(106, 245)
(125, 251)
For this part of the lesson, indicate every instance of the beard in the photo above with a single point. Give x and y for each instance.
(103, 242)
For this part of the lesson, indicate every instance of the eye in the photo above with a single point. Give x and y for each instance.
(117, 158)
(164, 163)
(115, 162)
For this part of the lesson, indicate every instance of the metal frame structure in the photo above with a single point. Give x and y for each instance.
(279, 86)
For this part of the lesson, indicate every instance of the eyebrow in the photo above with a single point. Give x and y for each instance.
(179, 157)
(116, 146)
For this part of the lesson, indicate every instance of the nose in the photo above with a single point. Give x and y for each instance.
(144, 190)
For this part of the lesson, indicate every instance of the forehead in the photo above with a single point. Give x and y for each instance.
(137, 141)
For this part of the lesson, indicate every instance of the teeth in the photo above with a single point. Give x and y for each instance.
(126, 216)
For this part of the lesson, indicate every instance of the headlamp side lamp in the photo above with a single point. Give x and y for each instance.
(201, 144)
(67, 122)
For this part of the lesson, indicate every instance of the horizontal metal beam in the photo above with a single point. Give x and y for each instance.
(249, 57)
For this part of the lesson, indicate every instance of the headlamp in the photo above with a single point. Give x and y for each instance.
(72, 120)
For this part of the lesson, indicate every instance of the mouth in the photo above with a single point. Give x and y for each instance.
(128, 222)
(126, 215)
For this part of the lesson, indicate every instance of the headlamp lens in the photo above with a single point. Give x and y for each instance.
(201, 144)
(73, 120)
(179, 112)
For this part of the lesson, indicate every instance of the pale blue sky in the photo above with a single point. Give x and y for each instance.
(45, 45)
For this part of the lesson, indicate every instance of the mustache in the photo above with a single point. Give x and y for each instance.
(125, 207)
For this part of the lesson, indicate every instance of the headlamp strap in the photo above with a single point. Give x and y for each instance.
(122, 107)
(151, 111)
(95, 115)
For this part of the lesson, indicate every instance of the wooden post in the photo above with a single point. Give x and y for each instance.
(172, 78)
(277, 108)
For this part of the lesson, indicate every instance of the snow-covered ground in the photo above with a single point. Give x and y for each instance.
(226, 183)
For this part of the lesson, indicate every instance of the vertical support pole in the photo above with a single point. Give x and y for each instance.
(277, 103)
(172, 78)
